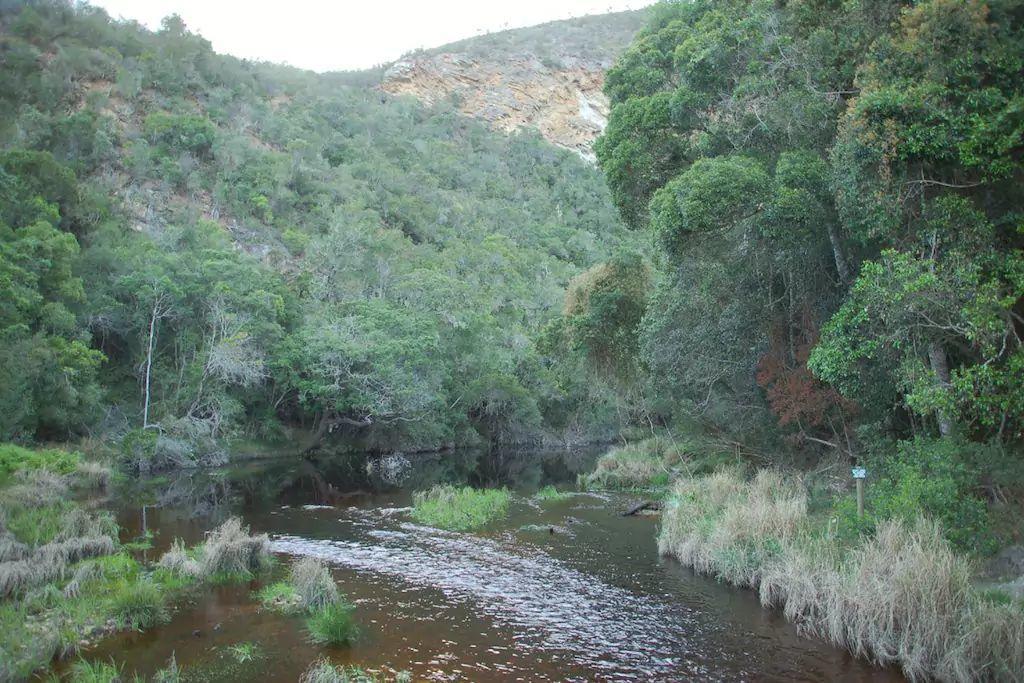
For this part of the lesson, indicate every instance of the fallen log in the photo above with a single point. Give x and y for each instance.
(641, 506)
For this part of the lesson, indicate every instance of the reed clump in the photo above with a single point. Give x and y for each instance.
(900, 597)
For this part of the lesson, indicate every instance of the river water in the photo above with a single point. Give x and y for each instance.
(560, 590)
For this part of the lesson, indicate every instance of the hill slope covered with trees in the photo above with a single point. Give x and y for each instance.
(213, 247)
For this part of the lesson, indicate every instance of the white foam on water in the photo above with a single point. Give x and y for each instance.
(618, 634)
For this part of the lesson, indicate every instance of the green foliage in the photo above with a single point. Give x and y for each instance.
(550, 493)
(712, 195)
(15, 458)
(174, 134)
(269, 228)
(333, 624)
(603, 310)
(280, 595)
(245, 652)
(460, 509)
(937, 478)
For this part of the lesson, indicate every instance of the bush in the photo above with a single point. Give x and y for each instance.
(936, 478)
(646, 464)
(179, 561)
(332, 624)
(463, 508)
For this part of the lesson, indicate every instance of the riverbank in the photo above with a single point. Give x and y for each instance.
(67, 577)
(897, 596)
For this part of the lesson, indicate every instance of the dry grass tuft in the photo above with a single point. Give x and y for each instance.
(313, 583)
(178, 561)
(231, 549)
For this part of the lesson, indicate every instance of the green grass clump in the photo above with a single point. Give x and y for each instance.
(279, 595)
(139, 604)
(550, 493)
(450, 507)
(651, 464)
(313, 584)
(322, 671)
(333, 624)
(16, 458)
(84, 671)
(245, 652)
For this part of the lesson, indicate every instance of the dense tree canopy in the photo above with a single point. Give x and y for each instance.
(204, 246)
(835, 188)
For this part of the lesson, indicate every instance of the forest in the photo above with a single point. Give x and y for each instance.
(198, 249)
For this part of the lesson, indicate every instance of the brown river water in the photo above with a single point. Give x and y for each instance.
(562, 590)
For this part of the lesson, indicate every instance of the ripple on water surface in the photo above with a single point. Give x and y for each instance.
(613, 632)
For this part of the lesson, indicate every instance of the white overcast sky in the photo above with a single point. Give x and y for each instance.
(348, 34)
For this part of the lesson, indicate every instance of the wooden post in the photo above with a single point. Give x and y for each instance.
(859, 474)
(860, 497)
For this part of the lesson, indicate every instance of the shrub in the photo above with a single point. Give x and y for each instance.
(92, 476)
(450, 507)
(313, 584)
(178, 561)
(36, 488)
(933, 477)
(138, 604)
(332, 624)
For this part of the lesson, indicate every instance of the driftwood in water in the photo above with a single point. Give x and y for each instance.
(641, 506)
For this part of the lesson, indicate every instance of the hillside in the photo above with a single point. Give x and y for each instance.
(548, 77)
(239, 249)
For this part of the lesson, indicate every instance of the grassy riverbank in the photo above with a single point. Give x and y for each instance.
(897, 595)
(67, 579)
(651, 464)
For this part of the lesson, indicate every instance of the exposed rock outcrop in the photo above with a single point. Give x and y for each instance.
(547, 77)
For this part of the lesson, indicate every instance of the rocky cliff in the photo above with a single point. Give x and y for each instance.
(547, 77)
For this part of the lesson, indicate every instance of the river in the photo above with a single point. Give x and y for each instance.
(562, 589)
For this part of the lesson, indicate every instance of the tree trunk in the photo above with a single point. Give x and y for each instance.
(149, 363)
(328, 423)
(842, 266)
(940, 366)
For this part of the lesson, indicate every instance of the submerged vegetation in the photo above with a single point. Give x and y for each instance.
(459, 509)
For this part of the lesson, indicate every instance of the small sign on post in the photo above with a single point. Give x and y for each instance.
(859, 475)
